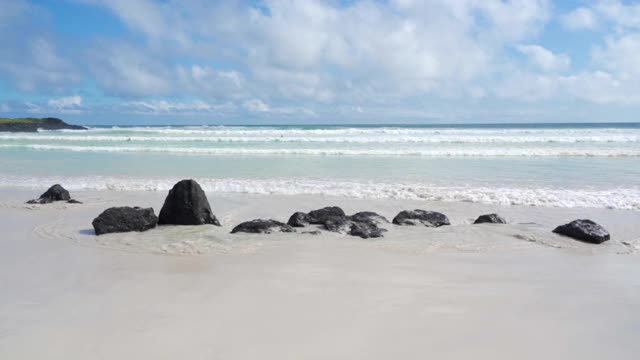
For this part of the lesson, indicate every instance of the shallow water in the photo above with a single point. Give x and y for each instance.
(580, 165)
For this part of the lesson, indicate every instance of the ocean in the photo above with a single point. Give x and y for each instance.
(557, 165)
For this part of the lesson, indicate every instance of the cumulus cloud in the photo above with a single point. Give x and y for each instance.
(65, 102)
(304, 58)
(580, 18)
(545, 59)
(258, 106)
(174, 107)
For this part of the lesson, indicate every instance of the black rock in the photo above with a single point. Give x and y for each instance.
(416, 217)
(187, 204)
(54, 193)
(366, 229)
(74, 201)
(260, 226)
(339, 224)
(584, 230)
(369, 216)
(490, 219)
(299, 219)
(124, 219)
(320, 216)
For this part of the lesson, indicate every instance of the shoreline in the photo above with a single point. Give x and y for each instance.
(528, 226)
(418, 292)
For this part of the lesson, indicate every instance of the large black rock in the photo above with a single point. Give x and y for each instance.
(187, 204)
(416, 217)
(490, 219)
(54, 193)
(124, 219)
(260, 226)
(584, 230)
(299, 219)
(320, 216)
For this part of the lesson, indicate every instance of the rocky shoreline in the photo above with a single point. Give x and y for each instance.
(33, 124)
(187, 204)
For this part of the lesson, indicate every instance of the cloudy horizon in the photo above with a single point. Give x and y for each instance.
(315, 62)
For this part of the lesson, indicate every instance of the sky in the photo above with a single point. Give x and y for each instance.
(317, 62)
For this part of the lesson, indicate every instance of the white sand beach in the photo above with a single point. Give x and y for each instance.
(457, 292)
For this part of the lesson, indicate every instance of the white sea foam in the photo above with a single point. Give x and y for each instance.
(350, 131)
(617, 198)
(433, 139)
(503, 151)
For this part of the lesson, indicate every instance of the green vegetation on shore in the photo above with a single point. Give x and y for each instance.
(20, 120)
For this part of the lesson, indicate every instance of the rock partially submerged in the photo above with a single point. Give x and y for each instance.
(54, 193)
(584, 230)
(369, 216)
(363, 224)
(339, 224)
(366, 229)
(490, 219)
(417, 217)
(124, 219)
(299, 219)
(187, 204)
(320, 216)
(260, 226)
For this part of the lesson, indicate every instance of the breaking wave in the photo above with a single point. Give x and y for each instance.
(627, 198)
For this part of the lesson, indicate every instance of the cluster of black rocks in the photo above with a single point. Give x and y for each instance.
(365, 224)
(187, 204)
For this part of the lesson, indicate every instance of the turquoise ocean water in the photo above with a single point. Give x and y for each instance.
(565, 165)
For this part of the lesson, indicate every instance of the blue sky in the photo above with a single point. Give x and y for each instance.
(395, 61)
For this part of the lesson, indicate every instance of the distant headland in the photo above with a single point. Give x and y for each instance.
(33, 124)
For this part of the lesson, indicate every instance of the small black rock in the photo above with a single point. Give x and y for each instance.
(584, 230)
(187, 204)
(416, 217)
(260, 226)
(490, 219)
(54, 193)
(124, 219)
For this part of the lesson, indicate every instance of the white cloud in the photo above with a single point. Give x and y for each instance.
(580, 18)
(615, 13)
(619, 13)
(545, 59)
(63, 103)
(300, 58)
(256, 105)
(125, 70)
(302, 50)
(164, 107)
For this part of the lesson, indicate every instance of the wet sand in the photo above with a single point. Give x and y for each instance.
(458, 292)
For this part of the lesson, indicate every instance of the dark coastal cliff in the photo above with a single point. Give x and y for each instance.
(33, 124)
